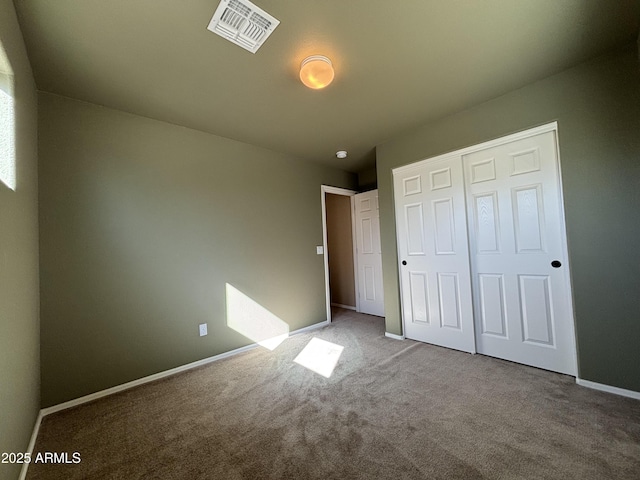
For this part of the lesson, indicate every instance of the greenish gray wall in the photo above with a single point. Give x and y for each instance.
(597, 106)
(19, 324)
(367, 179)
(143, 224)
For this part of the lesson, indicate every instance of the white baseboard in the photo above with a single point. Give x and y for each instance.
(347, 307)
(157, 376)
(32, 444)
(608, 388)
(394, 336)
(125, 386)
(143, 380)
(315, 326)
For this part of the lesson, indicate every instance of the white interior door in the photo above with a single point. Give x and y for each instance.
(434, 254)
(519, 269)
(368, 254)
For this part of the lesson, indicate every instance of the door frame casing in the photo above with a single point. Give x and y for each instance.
(324, 189)
(549, 127)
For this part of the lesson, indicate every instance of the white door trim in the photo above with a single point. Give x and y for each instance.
(324, 189)
(354, 246)
(549, 127)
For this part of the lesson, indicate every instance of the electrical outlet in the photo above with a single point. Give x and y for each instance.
(203, 329)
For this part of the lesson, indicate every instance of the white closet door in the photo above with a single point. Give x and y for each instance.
(369, 254)
(521, 295)
(434, 255)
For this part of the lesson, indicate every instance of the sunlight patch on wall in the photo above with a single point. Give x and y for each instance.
(320, 356)
(249, 318)
(7, 124)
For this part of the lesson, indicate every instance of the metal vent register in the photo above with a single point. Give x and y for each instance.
(242, 23)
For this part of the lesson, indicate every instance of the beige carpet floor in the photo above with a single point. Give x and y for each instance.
(390, 410)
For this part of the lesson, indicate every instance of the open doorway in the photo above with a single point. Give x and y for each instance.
(342, 284)
(339, 248)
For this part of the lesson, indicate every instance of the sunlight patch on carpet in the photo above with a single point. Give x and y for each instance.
(249, 318)
(320, 356)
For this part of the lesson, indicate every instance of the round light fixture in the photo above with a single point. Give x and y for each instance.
(341, 154)
(316, 71)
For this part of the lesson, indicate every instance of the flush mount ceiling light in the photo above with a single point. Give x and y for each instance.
(341, 154)
(316, 71)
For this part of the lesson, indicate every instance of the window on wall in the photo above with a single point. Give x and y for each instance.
(7, 124)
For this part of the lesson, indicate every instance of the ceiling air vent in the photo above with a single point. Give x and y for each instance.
(242, 23)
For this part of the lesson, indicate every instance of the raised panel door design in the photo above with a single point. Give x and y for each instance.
(486, 222)
(525, 162)
(523, 304)
(370, 294)
(419, 302)
(506, 195)
(414, 226)
(492, 305)
(369, 283)
(483, 171)
(443, 222)
(412, 185)
(536, 309)
(528, 218)
(367, 235)
(449, 300)
(440, 179)
(433, 258)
